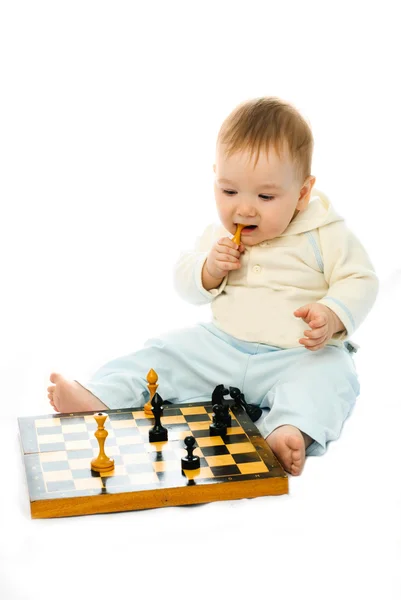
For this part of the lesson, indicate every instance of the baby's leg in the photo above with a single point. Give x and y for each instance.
(70, 396)
(309, 405)
(187, 361)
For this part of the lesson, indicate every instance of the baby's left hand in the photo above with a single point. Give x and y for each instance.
(323, 322)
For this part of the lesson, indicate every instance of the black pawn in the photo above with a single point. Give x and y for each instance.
(218, 427)
(158, 433)
(190, 462)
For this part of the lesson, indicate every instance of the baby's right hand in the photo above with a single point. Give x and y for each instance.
(223, 257)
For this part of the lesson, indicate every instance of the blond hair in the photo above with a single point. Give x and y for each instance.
(269, 121)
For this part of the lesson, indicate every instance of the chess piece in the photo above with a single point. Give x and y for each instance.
(226, 415)
(237, 236)
(158, 433)
(151, 378)
(218, 394)
(190, 462)
(218, 398)
(235, 393)
(218, 427)
(254, 412)
(102, 462)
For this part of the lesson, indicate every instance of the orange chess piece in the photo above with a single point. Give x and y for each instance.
(151, 378)
(102, 462)
(237, 235)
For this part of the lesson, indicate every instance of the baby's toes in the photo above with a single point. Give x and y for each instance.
(295, 469)
(296, 456)
(53, 405)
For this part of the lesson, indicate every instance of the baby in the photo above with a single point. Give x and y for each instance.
(284, 301)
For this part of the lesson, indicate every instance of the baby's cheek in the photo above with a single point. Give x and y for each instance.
(276, 228)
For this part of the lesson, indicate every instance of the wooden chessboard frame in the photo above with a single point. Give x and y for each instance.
(264, 476)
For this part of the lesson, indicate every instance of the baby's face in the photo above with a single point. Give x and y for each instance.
(266, 196)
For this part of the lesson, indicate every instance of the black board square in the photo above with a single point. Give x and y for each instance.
(179, 426)
(235, 438)
(49, 430)
(60, 465)
(121, 416)
(201, 433)
(141, 468)
(214, 450)
(83, 453)
(56, 447)
(194, 418)
(130, 449)
(145, 422)
(84, 473)
(225, 471)
(127, 431)
(162, 455)
(172, 412)
(76, 436)
(171, 478)
(246, 457)
(115, 480)
(60, 486)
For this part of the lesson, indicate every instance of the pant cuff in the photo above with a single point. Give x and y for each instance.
(316, 448)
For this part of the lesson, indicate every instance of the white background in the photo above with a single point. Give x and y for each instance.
(109, 113)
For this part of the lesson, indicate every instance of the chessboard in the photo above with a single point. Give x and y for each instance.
(58, 449)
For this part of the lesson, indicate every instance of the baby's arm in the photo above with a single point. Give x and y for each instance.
(348, 270)
(190, 280)
(209, 282)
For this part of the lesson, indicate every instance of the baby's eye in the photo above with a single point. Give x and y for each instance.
(264, 197)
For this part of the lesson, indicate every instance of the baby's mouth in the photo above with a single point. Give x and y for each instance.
(249, 228)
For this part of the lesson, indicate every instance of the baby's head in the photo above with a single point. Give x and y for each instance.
(269, 191)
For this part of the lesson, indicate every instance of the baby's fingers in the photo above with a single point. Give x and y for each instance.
(316, 333)
(226, 246)
(314, 344)
(318, 321)
(227, 266)
(314, 348)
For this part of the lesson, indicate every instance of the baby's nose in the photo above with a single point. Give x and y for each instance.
(246, 208)
(246, 215)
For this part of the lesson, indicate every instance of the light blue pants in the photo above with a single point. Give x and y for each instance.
(314, 391)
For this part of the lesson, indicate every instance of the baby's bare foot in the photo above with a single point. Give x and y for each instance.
(288, 444)
(70, 396)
